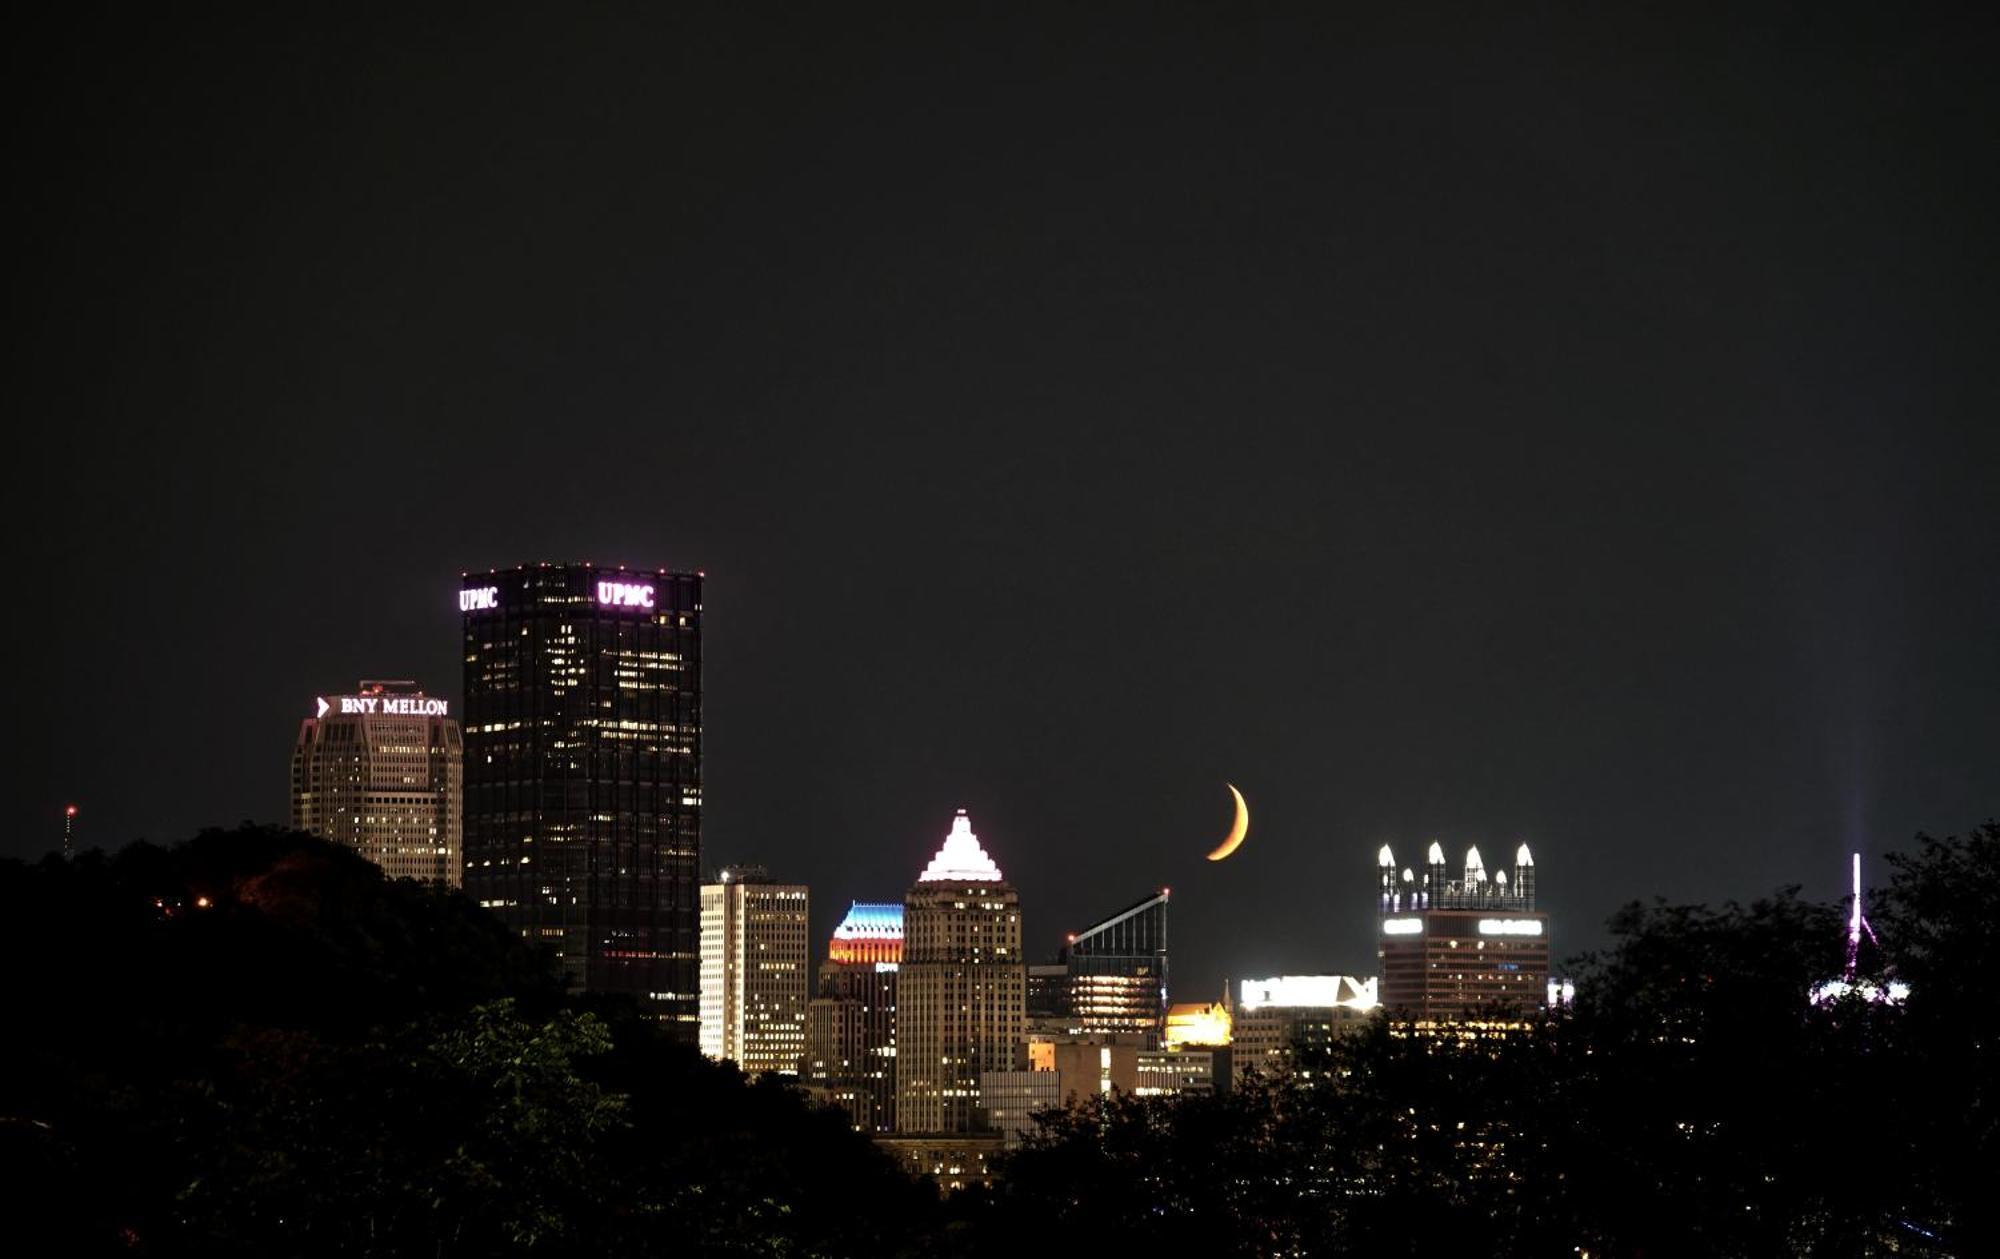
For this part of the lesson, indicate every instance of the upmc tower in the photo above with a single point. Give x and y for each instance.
(582, 718)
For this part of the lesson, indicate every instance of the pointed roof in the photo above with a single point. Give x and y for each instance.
(961, 859)
(869, 933)
(871, 921)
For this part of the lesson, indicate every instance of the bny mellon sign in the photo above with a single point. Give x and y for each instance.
(382, 706)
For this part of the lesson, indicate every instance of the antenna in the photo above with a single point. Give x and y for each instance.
(1893, 992)
(69, 830)
(1856, 925)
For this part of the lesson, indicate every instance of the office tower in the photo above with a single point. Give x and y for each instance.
(961, 1003)
(583, 772)
(1168, 1072)
(1009, 1100)
(753, 971)
(1048, 998)
(379, 771)
(1117, 970)
(1278, 1020)
(1060, 1072)
(1195, 1052)
(850, 1057)
(1471, 950)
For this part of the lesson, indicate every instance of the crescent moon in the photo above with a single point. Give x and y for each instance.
(1236, 832)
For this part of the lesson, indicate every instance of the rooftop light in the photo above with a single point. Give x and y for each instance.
(961, 859)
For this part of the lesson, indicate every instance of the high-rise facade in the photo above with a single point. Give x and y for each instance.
(380, 771)
(1048, 999)
(1472, 949)
(1167, 1072)
(850, 1059)
(1009, 1101)
(962, 999)
(582, 716)
(753, 971)
(1278, 1021)
(1117, 971)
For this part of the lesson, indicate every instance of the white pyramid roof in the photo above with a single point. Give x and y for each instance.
(961, 859)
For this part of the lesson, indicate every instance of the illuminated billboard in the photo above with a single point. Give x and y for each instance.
(1510, 927)
(624, 594)
(611, 593)
(382, 706)
(1308, 991)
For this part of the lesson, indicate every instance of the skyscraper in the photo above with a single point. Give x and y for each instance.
(962, 1001)
(753, 971)
(851, 1024)
(1459, 950)
(583, 772)
(1117, 971)
(379, 771)
(1277, 1020)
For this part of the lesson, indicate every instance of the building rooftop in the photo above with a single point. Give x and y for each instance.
(870, 922)
(961, 859)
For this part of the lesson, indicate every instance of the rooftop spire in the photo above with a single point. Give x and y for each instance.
(961, 858)
(1522, 857)
(1385, 857)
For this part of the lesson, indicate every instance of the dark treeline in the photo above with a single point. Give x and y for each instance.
(254, 1044)
(251, 1043)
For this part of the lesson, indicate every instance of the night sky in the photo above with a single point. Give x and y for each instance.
(1567, 426)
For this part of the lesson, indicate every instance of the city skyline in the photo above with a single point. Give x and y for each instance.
(1297, 955)
(1247, 630)
(1569, 428)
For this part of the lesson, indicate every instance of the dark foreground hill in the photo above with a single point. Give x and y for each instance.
(252, 1043)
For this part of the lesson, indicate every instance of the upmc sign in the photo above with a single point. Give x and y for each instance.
(610, 594)
(624, 594)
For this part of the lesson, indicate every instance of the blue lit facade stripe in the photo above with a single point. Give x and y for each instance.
(865, 920)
